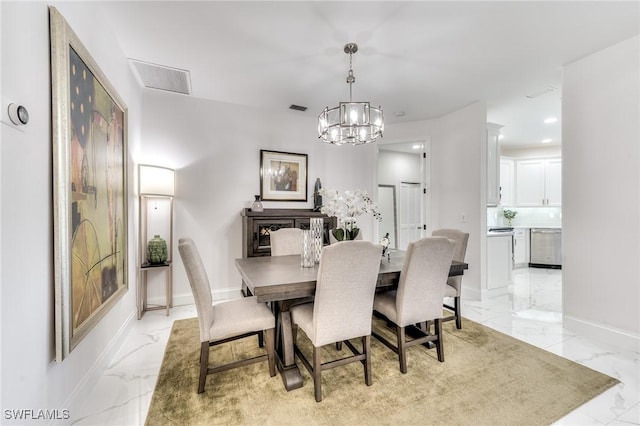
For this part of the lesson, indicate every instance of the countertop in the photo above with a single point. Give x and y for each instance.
(499, 234)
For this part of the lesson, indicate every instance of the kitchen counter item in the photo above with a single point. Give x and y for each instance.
(546, 248)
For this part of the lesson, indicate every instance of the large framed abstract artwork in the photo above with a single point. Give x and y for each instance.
(89, 127)
(283, 176)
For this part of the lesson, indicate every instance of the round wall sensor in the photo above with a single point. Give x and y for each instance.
(18, 114)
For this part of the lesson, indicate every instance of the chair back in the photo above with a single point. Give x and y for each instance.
(345, 287)
(460, 239)
(422, 280)
(286, 241)
(199, 285)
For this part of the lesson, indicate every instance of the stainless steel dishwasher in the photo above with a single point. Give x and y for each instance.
(546, 248)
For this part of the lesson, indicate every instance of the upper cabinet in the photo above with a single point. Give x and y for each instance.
(538, 182)
(493, 164)
(506, 181)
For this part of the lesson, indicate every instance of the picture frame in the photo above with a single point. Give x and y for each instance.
(283, 176)
(89, 132)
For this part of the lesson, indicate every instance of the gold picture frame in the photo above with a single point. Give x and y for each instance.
(89, 127)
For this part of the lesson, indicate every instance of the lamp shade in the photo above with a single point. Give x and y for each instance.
(154, 180)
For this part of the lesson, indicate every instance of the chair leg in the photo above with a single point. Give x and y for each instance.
(317, 374)
(204, 365)
(270, 340)
(339, 346)
(438, 333)
(456, 301)
(366, 348)
(402, 350)
(261, 339)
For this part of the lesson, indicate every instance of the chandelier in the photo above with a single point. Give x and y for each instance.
(351, 122)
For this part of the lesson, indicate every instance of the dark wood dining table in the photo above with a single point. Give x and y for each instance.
(282, 281)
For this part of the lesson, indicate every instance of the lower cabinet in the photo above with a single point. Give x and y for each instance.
(257, 227)
(499, 261)
(520, 247)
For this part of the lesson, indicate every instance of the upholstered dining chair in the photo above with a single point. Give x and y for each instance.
(227, 321)
(454, 284)
(341, 311)
(286, 241)
(419, 296)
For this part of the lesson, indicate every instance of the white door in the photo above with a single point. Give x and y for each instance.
(410, 223)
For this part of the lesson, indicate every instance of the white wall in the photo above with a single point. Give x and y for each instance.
(601, 191)
(458, 179)
(30, 377)
(540, 151)
(396, 167)
(215, 149)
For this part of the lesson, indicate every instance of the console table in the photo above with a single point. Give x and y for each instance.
(257, 226)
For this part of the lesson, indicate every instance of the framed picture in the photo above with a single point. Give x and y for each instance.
(89, 123)
(283, 176)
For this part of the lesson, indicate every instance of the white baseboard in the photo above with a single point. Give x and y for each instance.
(471, 293)
(91, 377)
(596, 331)
(494, 292)
(183, 299)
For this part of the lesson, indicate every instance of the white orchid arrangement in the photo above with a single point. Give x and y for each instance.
(346, 207)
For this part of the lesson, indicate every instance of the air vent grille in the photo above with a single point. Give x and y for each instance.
(298, 107)
(540, 92)
(162, 77)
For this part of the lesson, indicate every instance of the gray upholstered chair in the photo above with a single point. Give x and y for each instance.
(454, 284)
(342, 308)
(286, 241)
(227, 321)
(419, 296)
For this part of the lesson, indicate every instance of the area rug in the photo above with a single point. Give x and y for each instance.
(488, 378)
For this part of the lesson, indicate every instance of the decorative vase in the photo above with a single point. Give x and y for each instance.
(316, 226)
(317, 198)
(157, 250)
(257, 205)
(306, 251)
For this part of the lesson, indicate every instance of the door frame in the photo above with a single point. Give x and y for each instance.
(425, 166)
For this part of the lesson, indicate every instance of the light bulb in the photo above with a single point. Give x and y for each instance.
(354, 116)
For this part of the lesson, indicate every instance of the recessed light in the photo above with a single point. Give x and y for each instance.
(550, 120)
(546, 140)
(417, 146)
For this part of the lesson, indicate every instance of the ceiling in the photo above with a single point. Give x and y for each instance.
(418, 60)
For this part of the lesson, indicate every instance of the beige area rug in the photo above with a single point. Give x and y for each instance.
(488, 378)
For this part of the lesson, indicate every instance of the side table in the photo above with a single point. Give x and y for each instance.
(142, 288)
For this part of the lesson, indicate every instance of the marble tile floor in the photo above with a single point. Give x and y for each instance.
(529, 312)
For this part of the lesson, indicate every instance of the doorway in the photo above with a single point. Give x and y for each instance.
(403, 191)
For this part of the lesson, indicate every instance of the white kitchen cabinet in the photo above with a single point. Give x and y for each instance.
(539, 182)
(553, 182)
(520, 247)
(506, 182)
(493, 164)
(499, 261)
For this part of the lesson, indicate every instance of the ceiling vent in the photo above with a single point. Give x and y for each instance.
(298, 107)
(542, 91)
(161, 77)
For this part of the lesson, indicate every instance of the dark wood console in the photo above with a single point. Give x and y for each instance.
(256, 227)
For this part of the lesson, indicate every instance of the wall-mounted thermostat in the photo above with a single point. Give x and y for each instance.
(18, 114)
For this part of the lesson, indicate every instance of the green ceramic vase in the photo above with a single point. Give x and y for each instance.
(156, 250)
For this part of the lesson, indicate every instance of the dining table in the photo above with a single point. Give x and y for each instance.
(283, 282)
